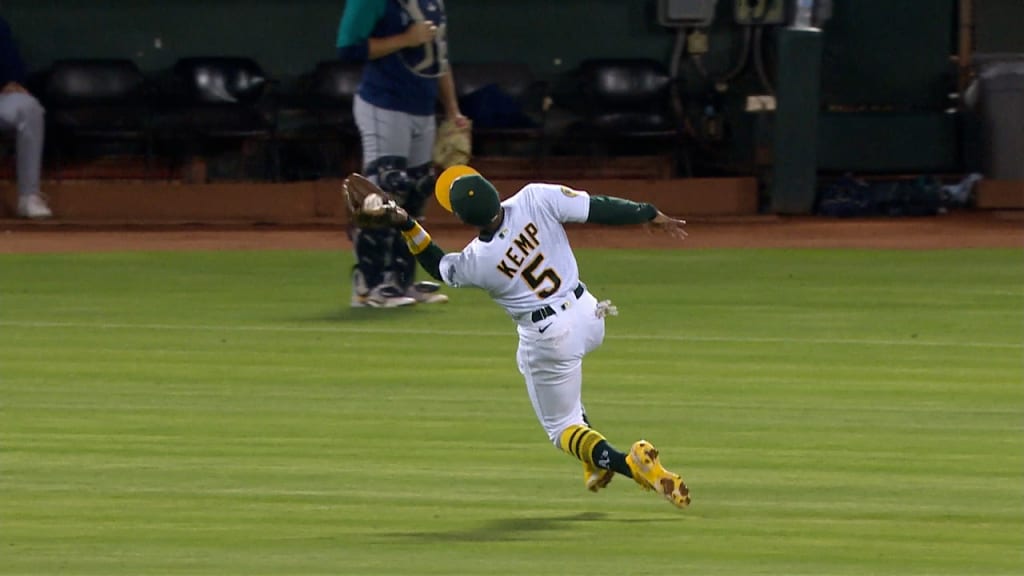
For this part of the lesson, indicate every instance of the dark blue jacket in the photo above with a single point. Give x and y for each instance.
(12, 68)
(406, 80)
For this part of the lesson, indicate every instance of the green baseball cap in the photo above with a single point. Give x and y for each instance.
(474, 200)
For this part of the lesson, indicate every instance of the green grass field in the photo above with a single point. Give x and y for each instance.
(834, 412)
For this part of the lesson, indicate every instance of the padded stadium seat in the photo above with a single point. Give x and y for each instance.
(96, 100)
(626, 108)
(330, 90)
(218, 100)
(321, 115)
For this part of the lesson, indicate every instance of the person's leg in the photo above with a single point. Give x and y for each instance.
(421, 144)
(642, 459)
(420, 187)
(403, 263)
(21, 113)
(552, 366)
(384, 134)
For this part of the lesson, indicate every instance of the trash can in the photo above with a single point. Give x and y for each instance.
(997, 95)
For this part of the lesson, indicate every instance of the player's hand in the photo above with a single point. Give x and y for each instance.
(419, 33)
(12, 88)
(668, 225)
(397, 215)
(461, 122)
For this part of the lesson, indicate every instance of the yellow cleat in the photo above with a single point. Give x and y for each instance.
(596, 478)
(651, 475)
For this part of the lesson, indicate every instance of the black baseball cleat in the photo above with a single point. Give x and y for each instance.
(426, 293)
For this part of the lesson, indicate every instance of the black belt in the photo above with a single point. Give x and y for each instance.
(542, 313)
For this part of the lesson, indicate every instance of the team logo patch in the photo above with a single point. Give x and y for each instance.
(570, 192)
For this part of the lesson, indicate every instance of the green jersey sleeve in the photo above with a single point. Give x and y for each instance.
(612, 210)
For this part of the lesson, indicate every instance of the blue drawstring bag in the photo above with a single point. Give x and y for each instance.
(492, 107)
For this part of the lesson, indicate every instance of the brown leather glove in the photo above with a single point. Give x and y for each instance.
(367, 205)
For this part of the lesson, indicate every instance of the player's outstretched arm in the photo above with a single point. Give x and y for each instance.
(420, 244)
(619, 211)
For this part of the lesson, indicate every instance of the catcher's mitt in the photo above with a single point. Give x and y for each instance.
(453, 145)
(367, 205)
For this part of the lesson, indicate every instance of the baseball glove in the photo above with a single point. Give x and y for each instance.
(366, 204)
(453, 145)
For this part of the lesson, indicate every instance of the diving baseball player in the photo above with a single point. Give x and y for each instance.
(522, 258)
(403, 44)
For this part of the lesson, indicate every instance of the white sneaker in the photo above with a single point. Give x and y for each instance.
(426, 293)
(33, 206)
(383, 296)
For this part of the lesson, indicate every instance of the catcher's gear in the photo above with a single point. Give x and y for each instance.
(391, 174)
(453, 145)
(367, 205)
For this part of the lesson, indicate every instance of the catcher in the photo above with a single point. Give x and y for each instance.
(523, 260)
(403, 45)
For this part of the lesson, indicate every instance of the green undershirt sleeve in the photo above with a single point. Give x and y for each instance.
(430, 260)
(430, 257)
(618, 211)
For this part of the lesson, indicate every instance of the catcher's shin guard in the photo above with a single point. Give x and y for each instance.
(373, 249)
(389, 172)
(403, 265)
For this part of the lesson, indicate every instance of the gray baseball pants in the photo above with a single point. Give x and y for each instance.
(22, 114)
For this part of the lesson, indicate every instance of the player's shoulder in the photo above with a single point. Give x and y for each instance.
(377, 7)
(543, 187)
(472, 247)
(538, 191)
(476, 248)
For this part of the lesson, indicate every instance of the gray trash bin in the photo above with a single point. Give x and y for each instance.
(997, 94)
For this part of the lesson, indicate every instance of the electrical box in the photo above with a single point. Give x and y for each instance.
(754, 12)
(686, 13)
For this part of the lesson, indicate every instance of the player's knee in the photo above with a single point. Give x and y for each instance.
(26, 108)
(389, 172)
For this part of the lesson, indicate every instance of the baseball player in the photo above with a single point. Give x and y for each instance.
(403, 43)
(522, 258)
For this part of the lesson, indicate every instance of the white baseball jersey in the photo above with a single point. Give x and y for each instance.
(528, 263)
(528, 267)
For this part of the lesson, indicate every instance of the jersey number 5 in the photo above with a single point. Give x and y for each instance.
(534, 280)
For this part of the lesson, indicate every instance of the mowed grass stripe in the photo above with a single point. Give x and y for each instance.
(835, 412)
(505, 334)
